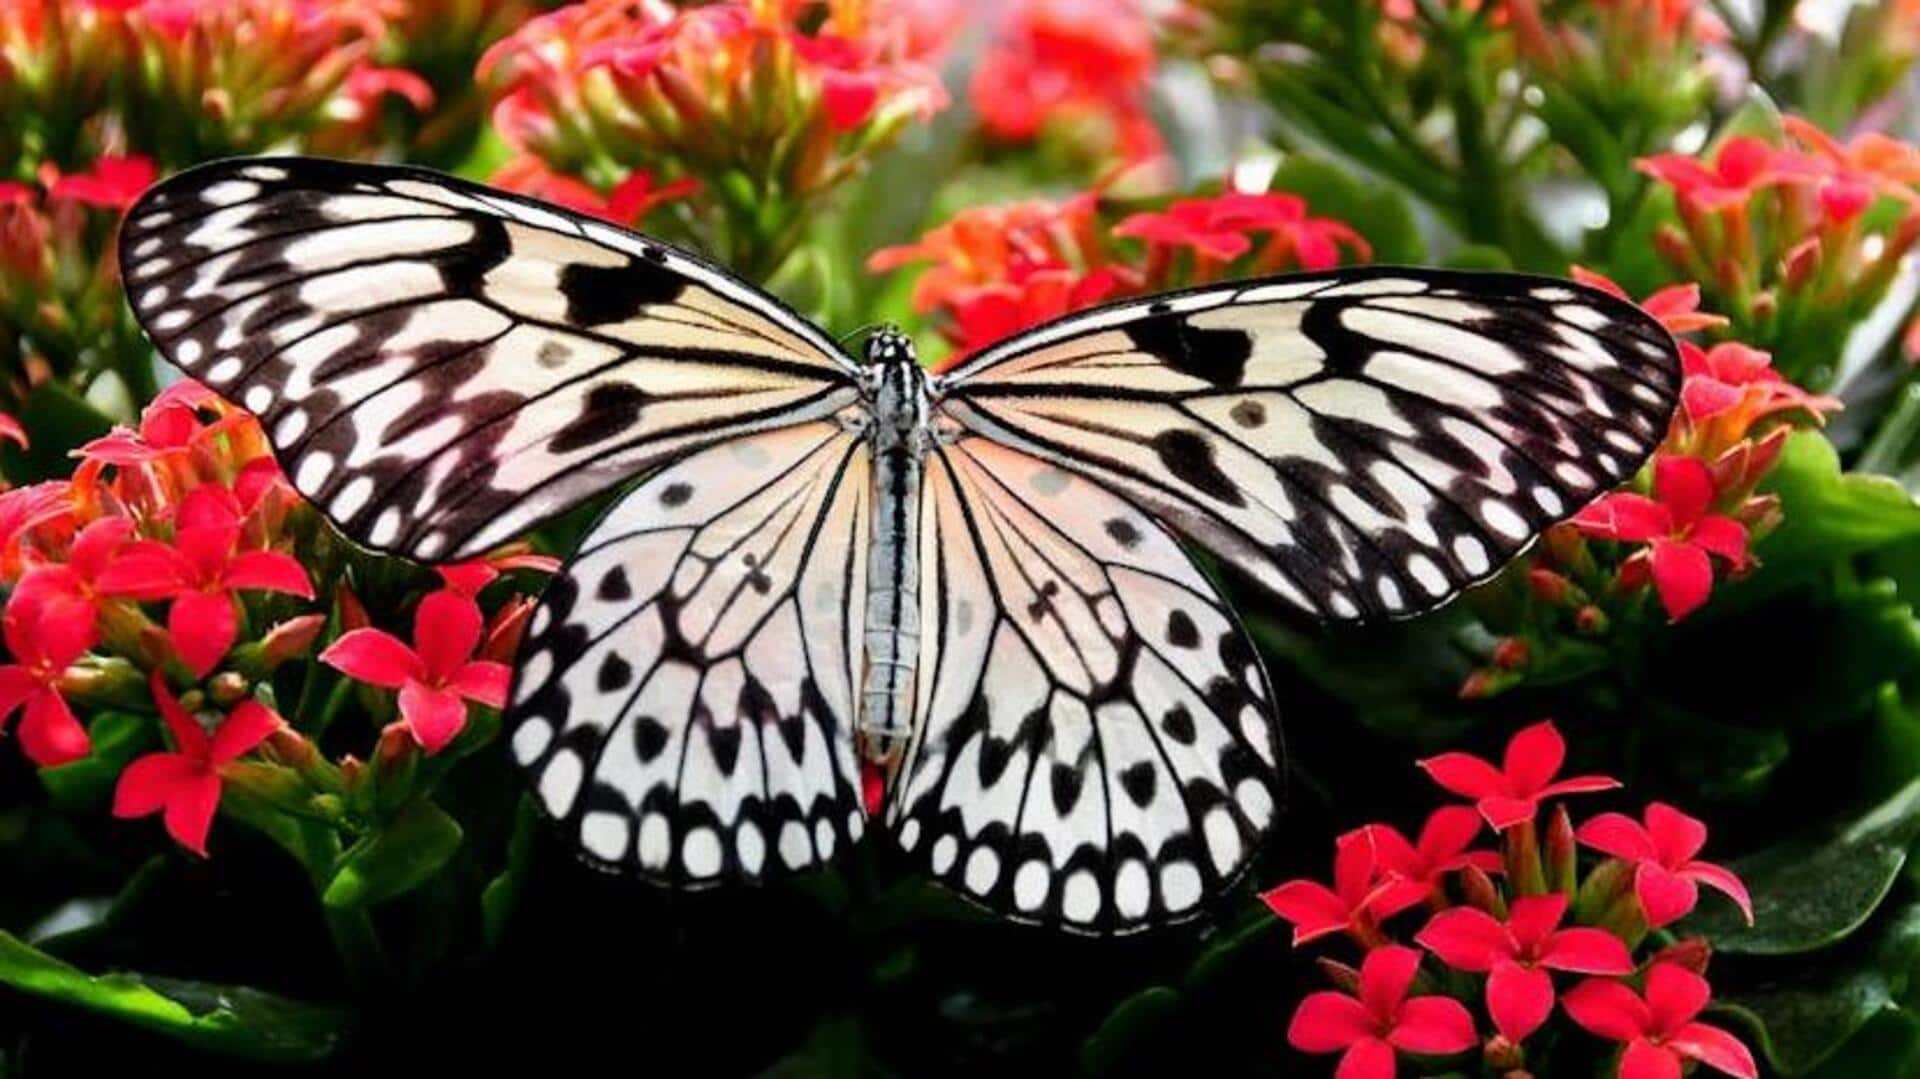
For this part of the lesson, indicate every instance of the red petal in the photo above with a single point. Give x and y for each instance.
(1465, 775)
(1396, 894)
(482, 681)
(373, 656)
(1393, 853)
(17, 687)
(434, 715)
(1715, 1048)
(96, 545)
(1579, 785)
(1447, 832)
(1434, 1025)
(1607, 1009)
(207, 548)
(1534, 757)
(1532, 918)
(147, 783)
(446, 628)
(1706, 397)
(1466, 938)
(1367, 1059)
(202, 626)
(1327, 1022)
(1594, 279)
(1683, 576)
(1723, 881)
(1626, 516)
(1503, 813)
(269, 571)
(468, 577)
(190, 810)
(1619, 835)
(1676, 836)
(249, 724)
(1723, 536)
(1586, 951)
(1385, 975)
(49, 735)
(1355, 868)
(145, 570)
(849, 98)
(1519, 999)
(208, 506)
(1674, 996)
(1685, 486)
(1311, 906)
(1665, 896)
(188, 737)
(1645, 1060)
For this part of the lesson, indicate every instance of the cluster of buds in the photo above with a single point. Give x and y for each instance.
(434, 46)
(1073, 74)
(59, 61)
(1781, 237)
(999, 269)
(1632, 63)
(1692, 515)
(765, 110)
(171, 572)
(1512, 928)
(59, 285)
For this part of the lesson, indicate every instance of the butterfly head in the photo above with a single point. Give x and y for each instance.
(887, 345)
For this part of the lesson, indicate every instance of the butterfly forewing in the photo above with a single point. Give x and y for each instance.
(1095, 746)
(442, 365)
(684, 701)
(1364, 443)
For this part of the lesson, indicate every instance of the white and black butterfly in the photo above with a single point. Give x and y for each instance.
(972, 579)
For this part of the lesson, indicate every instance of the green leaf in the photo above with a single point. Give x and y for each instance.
(1379, 213)
(396, 859)
(1130, 1024)
(1810, 893)
(235, 1020)
(1888, 1045)
(502, 893)
(56, 420)
(87, 783)
(1810, 1010)
(1479, 257)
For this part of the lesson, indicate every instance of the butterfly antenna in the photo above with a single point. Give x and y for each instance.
(868, 328)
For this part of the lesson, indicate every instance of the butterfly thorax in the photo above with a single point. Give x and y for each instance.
(898, 435)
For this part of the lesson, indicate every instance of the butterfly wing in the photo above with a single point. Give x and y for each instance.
(1095, 746)
(442, 365)
(684, 699)
(1363, 443)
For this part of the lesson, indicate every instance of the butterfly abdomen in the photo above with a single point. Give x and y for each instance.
(898, 436)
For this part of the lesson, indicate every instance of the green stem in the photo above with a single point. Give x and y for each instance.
(1896, 435)
(358, 946)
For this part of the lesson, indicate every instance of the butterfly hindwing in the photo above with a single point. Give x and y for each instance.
(1364, 443)
(684, 699)
(442, 365)
(1095, 746)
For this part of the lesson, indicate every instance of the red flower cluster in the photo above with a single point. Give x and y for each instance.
(999, 269)
(729, 93)
(435, 676)
(1074, 69)
(1503, 920)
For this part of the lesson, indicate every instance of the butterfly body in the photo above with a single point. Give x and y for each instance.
(810, 565)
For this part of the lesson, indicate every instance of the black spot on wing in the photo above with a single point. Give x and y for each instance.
(1218, 357)
(1189, 457)
(611, 407)
(599, 294)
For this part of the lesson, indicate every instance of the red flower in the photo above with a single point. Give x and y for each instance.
(1442, 848)
(1069, 59)
(436, 676)
(113, 182)
(1659, 1032)
(45, 634)
(1516, 956)
(1677, 527)
(630, 201)
(1677, 307)
(1511, 794)
(471, 576)
(185, 784)
(1666, 875)
(1733, 380)
(199, 572)
(1369, 1030)
(1740, 167)
(1358, 898)
(1220, 228)
(170, 424)
(92, 550)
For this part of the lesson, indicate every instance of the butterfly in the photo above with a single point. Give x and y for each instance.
(834, 593)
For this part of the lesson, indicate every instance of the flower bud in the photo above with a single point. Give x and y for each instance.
(505, 629)
(1800, 264)
(353, 614)
(1590, 621)
(1562, 855)
(1692, 953)
(1479, 891)
(1511, 654)
(1341, 975)
(1554, 588)
(1487, 682)
(1502, 1055)
(228, 688)
(291, 639)
(1607, 882)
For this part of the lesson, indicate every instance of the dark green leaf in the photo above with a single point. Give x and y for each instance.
(87, 783)
(231, 1019)
(497, 900)
(1888, 1045)
(1135, 1020)
(397, 859)
(1809, 893)
(56, 420)
(1379, 213)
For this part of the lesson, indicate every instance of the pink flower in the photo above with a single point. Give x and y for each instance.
(199, 572)
(113, 182)
(1740, 167)
(1677, 527)
(1511, 794)
(1220, 228)
(184, 785)
(1369, 1030)
(1516, 956)
(1677, 307)
(1666, 874)
(1358, 898)
(45, 634)
(1659, 1032)
(436, 676)
(473, 575)
(1442, 848)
